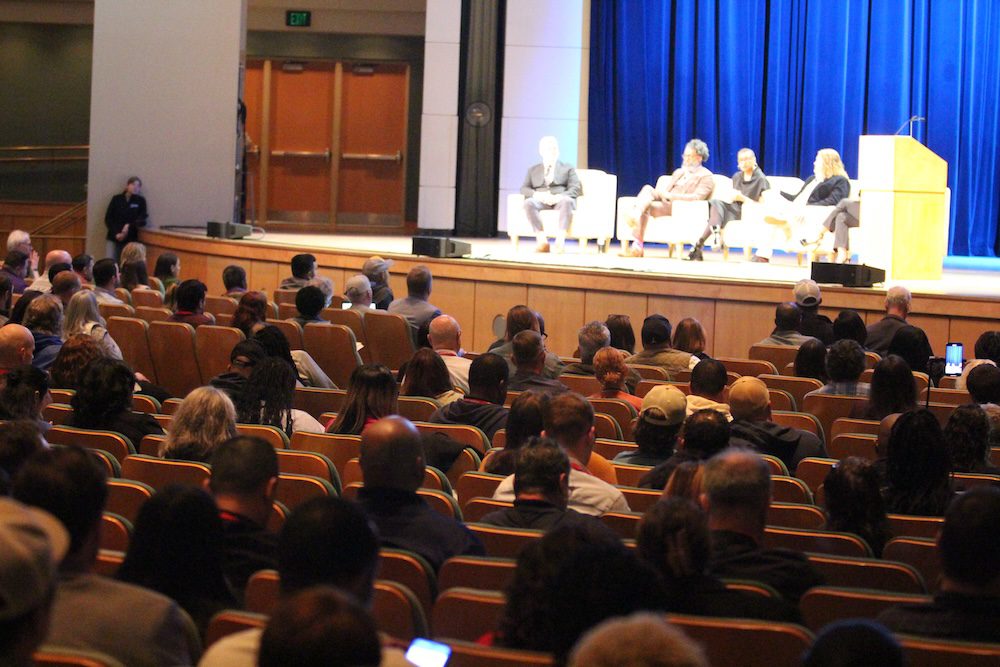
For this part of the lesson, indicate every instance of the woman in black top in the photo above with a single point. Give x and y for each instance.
(126, 214)
(103, 400)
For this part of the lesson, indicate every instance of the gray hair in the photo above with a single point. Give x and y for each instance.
(744, 151)
(325, 286)
(16, 238)
(591, 338)
(699, 147)
(45, 314)
(357, 287)
(737, 478)
(899, 297)
(82, 309)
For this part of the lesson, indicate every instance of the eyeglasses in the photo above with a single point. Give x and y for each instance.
(243, 363)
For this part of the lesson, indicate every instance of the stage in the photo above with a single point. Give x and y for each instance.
(734, 299)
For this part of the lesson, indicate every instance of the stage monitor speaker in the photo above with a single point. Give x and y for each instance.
(439, 246)
(849, 275)
(227, 230)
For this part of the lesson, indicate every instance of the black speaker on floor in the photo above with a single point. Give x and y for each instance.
(849, 275)
(439, 246)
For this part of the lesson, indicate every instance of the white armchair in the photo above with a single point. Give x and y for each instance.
(593, 217)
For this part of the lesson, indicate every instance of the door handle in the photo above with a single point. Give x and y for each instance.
(378, 157)
(310, 154)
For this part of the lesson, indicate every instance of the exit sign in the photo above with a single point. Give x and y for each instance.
(298, 19)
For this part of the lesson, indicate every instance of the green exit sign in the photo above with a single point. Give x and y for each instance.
(298, 19)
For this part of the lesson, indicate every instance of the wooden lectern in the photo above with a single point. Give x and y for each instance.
(904, 207)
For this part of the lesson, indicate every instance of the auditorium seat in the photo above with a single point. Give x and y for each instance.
(795, 515)
(114, 443)
(106, 461)
(585, 385)
(338, 448)
(625, 524)
(853, 444)
(796, 386)
(334, 348)
(776, 465)
(828, 407)
(611, 448)
(503, 542)
(220, 305)
(745, 642)
(822, 605)
(417, 408)
(904, 525)
(131, 335)
(466, 613)
(873, 573)
(59, 656)
(801, 420)
(214, 346)
(57, 414)
(316, 401)
(175, 357)
(816, 541)
(471, 436)
(629, 475)
(116, 310)
(126, 497)
(151, 298)
(287, 311)
(964, 481)
(928, 652)
(442, 503)
(468, 654)
(270, 434)
(649, 372)
(313, 464)
(640, 500)
(785, 489)
(171, 406)
(813, 471)
(623, 412)
(107, 563)
(411, 570)
(292, 331)
(752, 367)
(945, 396)
(468, 460)
(263, 592)
(593, 216)
(285, 296)
(606, 427)
(918, 552)
(778, 355)
(144, 403)
(230, 622)
(148, 314)
(477, 485)
(159, 473)
(781, 400)
(293, 490)
(476, 508)
(397, 611)
(483, 572)
(389, 339)
(849, 425)
(115, 532)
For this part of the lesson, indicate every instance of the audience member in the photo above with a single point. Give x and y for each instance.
(33, 543)
(17, 347)
(106, 279)
(177, 549)
(416, 307)
(133, 252)
(529, 357)
(849, 324)
(303, 270)
(705, 434)
(610, 370)
(376, 270)
(427, 375)
(15, 268)
(52, 258)
(968, 604)
(65, 285)
(309, 301)
(522, 318)
(21, 307)
(897, 306)
(524, 422)
(686, 481)
(358, 290)
(810, 361)
(568, 581)
(84, 318)
(275, 344)
(569, 420)
(967, 436)
(6, 296)
(708, 388)
(918, 470)
(20, 240)
(19, 440)
(445, 337)
(325, 542)
(854, 502)
(854, 643)
(622, 334)
(845, 362)
(787, 320)
(190, 298)
(103, 400)
(912, 345)
(131, 624)
(25, 394)
(372, 394)
(737, 495)
(251, 313)
(808, 298)
(392, 463)
(673, 538)
(483, 405)
(986, 351)
(205, 419)
(234, 280)
(245, 355)
(83, 267)
(689, 336)
(268, 396)
(892, 389)
(639, 640)
(592, 337)
(656, 349)
(133, 267)
(752, 426)
(660, 419)
(78, 351)
(44, 319)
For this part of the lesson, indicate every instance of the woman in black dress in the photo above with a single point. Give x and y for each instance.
(126, 214)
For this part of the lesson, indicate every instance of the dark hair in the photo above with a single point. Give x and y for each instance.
(19, 440)
(58, 268)
(320, 627)
(787, 316)
(309, 301)
(268, 395)
(970, 552)
(241, 465)
(854, 642)
(234, 276)
(706, 433)
(69, 484)
(177, 549)
(21, 307)
(6, 294)
(104, 271)
(488, 375)
(372, 393)
(967, 435)
(655, 440)
(426, 375)
(673, 538)
(622, 333)
(524, 422)
(708, 377)
(689, 336)
(850, 325)
(302, 265)
(567, 417)
(250, 349)
(274, 342)
(73, 357)
(845, 361)
(326, 541)
(251, 310)
(133, 274)
(568, 581)
(104, 391)
(527, 345)
(911, 344)
(165, 264)
(539, 465)
(81, 262)
(418, 281)
(21, 396)
(520, 318)
(854, 502)
(15, 259)
(893, 388)
(983, 383)
(917, 466)
(190, 294)
(810, 360)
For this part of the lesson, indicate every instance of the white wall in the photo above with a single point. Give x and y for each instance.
(163, 107)
(546, 66)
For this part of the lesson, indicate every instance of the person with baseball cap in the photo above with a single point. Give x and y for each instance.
(376, 270)
(808, 298)
(750, 405)
(656, 349)
(660, 419)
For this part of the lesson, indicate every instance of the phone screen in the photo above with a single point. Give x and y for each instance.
(953, 359)
(425, 653)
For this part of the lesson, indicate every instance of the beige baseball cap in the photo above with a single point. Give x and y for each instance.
(32, 545)
(664, 405)
(748, 395)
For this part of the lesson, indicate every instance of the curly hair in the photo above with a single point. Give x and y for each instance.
(104, 391)
(269, 394)
(918, 470)
(845, 361)
(205, 419)
(967, 435)
(854, 502)
(252, 310)
(74, 355)
(22, 395)
(372, 393)
(831, 164)
(610, 369)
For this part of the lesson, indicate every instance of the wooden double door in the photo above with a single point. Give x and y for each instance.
(326, 144)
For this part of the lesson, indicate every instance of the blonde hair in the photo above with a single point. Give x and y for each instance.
(609, 368)
(133, 253)
(82, 309)
(639, 639)
(832, 164)
(205, 419)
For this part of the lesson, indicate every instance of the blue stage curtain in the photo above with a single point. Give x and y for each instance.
(788, 77)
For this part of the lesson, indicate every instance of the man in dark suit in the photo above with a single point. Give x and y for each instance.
(550, 184)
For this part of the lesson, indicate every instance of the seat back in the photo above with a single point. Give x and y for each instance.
(849, 425)
(411, 570)
(467, 654)
(470, 436)
(795, 515)
(144, 403)
(314, 464)
(57, 413)
(292, 331)
(828, 407)
(621, 411)
(132, 336)
(114, 443)
(417, 408)
(799, 420)
(853, 444)
(778, 355)
(945, 396)
(293, 490)
(285, 295)
(503, 542)
(606, 427)
(397, 612)
(270, 434)
(822, 605)
(175, 357)
(466, 613)
(926, 652)
(813, 472)
(334, 348)
(872, 573)
(745, 642)
(159, 473)
(584, 385)
(287, 311)
(629, 475)
(476, 508)
(919, 553)
(468, 460)
(477, 485)
(625, 524)
(442, 503)
(796, 386)
(317, 401)
(338, 448)
(352, 320)
(230, 622)
(115, 532)
(126, 497)
(905, 525)
(220, 305)
(781, 400)
(263, 592)
(389, 340)
(150, 314)
(752, 367)
(817, 541)
(609, 448)
(214, 344)
(786, 489)
(116, 310)
(151, 298)
(483, 572)
(58, 656)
